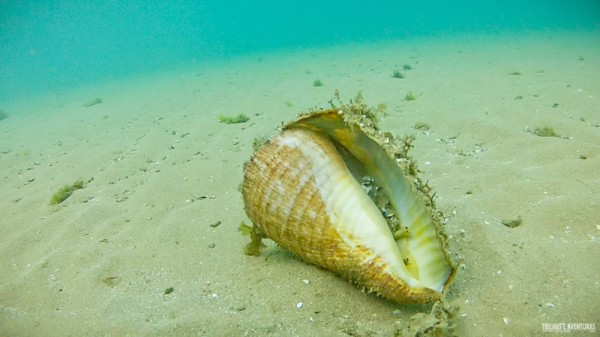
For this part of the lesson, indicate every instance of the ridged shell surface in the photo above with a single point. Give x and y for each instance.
(299, 192)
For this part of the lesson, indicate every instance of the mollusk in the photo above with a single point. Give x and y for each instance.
(305, 190)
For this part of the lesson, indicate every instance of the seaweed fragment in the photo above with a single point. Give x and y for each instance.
(241, 118)
(512, 223)
(254, 247)
(422, 126)
(545, 131)
(397, 74)
(66, 191)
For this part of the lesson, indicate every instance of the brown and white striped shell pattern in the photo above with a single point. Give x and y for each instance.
(305, 190)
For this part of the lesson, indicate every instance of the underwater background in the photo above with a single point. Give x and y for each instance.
(50, 45)
(125, 127)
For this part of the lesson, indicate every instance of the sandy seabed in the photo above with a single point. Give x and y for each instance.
(151, 247)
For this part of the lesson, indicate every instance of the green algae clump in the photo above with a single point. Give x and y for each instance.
(397, 74)
(64, 192)
(545, 132)
(241, 118)
(410, 97)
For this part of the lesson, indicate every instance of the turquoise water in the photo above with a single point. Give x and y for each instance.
(48, 46)
(127, 96)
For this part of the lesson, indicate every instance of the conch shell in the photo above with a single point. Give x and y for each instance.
(311, 190)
